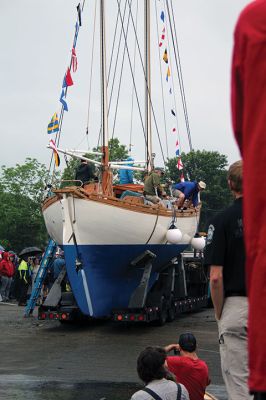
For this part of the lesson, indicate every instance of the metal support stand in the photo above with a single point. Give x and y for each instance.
(138, 297)
(55, 292)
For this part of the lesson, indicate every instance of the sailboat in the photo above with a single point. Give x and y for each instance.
(101, 233)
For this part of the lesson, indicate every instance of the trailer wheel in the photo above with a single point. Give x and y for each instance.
(171, 310)
(163, 312)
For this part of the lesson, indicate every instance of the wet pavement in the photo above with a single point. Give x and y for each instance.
(47, 360)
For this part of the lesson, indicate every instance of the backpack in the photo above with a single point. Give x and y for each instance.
(157, 397)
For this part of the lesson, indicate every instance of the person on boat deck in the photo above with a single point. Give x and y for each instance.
(152, 188)
(85, 172)
(188, 191)
(188, 368)
(160, 384)
(126, 175)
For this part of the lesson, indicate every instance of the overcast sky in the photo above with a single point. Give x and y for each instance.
(35, 51)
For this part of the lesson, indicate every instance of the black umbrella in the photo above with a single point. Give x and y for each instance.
(30, 251)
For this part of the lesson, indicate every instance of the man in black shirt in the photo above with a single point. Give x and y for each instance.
(225, 254)
(85, 172)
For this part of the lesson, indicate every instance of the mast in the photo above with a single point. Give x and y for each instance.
(105, 136)
(147, 52)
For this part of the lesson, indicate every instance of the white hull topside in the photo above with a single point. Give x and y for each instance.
(100, 223)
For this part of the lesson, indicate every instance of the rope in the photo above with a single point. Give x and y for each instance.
(132, 94)
(119, 85)
(91, 70)
(134, 83)
(157, 216)
(161, 76)
(110, 65)
(149, 95)
(179, 71)
(58, 134)
(174, 92)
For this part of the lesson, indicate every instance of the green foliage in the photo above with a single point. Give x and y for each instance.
(21, 189)
(24, 180)
(70, 170)
(117, 151)
(210, 167)
(5, 244)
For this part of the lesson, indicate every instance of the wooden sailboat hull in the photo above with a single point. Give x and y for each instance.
(106, 236)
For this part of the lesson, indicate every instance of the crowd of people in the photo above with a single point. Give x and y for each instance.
(18, 275)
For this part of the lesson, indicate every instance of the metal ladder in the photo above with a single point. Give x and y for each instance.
(46, 262)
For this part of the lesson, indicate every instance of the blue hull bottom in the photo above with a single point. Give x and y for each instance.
(106, 279)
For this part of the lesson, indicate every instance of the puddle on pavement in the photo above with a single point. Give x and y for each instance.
(56, 391)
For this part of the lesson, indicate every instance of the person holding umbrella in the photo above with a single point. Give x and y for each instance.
(25, 271)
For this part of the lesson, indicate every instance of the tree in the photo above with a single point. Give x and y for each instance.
(70, 170)
(210, 167)
(21, 190)
(117, 151)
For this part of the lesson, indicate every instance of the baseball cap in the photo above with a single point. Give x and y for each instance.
(187, 342)
(202, 184)
(160, 169)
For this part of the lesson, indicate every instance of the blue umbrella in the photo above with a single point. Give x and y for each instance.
(1, 248)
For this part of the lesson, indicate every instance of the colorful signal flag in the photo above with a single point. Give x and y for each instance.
(53, 126)
(165, 56)
(63, 101)
(74, 60)
(55, 152)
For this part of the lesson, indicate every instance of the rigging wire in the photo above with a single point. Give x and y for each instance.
(147, 88)
(110, 65)
(119, 85)
(58, 134)
(133, 79)
(178, 65)
(161, 76)
(174, 92)
(132, 93)
(91, 70)
(113, 45)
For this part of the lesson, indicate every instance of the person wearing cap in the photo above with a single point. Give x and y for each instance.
(188, 369)
(225, 254)
(188, 191)
(58, 264)
(152, 186)
(160, 384)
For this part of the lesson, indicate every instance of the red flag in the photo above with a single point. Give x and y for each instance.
(74, 60)
(179, 164)
(68, 78)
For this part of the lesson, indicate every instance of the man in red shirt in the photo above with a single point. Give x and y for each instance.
(188, 368)
(249, 123)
